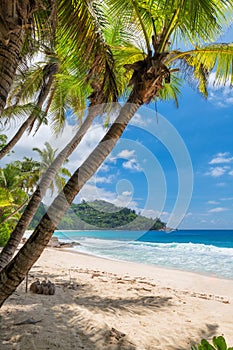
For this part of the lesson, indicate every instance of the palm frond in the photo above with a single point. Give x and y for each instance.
(6, 198)
(81, 40)
(136, 15)
(64, 172)
(15, 114)
(216, 58)
(171, 91)
(196, 21)
(58, 109)
(27, 84)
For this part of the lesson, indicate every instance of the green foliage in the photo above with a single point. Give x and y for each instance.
(48, 155)
(3, 140)
(17, 181)
(101, 215)
(5, 230)
(219, 343)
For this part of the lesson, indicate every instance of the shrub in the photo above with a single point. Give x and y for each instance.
(219, 343)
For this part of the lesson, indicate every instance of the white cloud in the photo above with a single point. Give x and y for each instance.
(220, 94)
(90, 192)
(152, 213)
(140, 120)
(132, 165)
(227, 199)
(218, 85)
(86, 146)
(104, 168)
(231, 173)
(222, 158)
(213, 202)
(125, 153)
(125, 201)
(127, 193)
(217, 172)
(111, 159)
(24, 147)
(102, 179)
(217, 210)
(221, 184)
(44, 134)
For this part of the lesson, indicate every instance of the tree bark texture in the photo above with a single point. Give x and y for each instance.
(14, 273)
(147, 82)
(12, 34)
(46, 180)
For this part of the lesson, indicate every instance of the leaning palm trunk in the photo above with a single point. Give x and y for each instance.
(46, 180)
(10, 49)
(145, 87)
(13, 274)
(45, 90)
(5, 150)
(15, 17)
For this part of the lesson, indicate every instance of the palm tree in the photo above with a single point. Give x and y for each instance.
(21, 23)
(17, 180)
(47, 155)
(101, 78)
(45, 83)
(161, 22)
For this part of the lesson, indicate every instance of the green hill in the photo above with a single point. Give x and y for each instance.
(101, 215)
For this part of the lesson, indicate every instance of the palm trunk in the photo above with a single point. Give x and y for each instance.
(9, 58)
(5, 150)
(15, 16)
(46, 180)
(31, 119)
(14, 273)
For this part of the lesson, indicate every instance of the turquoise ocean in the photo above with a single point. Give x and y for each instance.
(208, 252)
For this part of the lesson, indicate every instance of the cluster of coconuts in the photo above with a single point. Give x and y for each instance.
(46, 288)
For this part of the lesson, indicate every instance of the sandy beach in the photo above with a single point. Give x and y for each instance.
(105, 304)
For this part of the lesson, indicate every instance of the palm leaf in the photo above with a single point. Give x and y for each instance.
(81, 42)
(14, 114)
(171, 91)
(192, 21)
(6, 198)
(216, 58)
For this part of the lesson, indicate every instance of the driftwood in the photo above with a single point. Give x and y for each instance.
(46, 288)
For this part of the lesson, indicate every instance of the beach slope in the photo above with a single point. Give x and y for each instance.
(106, 304)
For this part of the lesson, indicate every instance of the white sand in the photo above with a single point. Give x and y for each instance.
(105, 304)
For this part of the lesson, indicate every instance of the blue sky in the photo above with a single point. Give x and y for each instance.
(154, 176)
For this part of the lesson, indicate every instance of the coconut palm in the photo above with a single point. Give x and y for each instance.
(22, 22)
(47, 155)
(162, 22)
(17, 180)
(101, 80)
(43, 82)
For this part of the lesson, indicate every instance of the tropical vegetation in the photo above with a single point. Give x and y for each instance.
(219, 343)
(101, 215)
(94, 42)
(18, 179)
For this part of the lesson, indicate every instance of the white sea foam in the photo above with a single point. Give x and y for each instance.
(200, 258)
